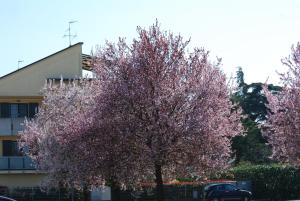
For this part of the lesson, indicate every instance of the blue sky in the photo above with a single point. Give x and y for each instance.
(254, 34)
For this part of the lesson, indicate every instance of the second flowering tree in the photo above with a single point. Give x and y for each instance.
(282, 127)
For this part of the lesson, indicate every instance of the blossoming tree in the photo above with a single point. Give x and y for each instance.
(153, 112)
(282, 127)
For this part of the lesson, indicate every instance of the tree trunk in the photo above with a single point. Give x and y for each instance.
(159, 183)
(115, 191)
(86, 194)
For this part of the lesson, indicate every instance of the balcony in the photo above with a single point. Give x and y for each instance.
(16, 163)
(11, 126)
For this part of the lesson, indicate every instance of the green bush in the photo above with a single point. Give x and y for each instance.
(275, 182)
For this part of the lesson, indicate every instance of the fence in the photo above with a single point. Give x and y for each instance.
(182, 192)
(16, 163)
(172, 193)
(11, 126)
(35, 194)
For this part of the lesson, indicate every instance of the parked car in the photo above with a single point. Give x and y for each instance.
(2, 198)
(225, 191)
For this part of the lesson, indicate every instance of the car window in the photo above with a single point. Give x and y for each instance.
(209, 188)
(221, 188)
(229, 187)
(206, 188)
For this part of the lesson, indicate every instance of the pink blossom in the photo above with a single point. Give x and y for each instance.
(283, 125)
(154, 112)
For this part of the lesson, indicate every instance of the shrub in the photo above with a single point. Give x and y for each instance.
(275, 182)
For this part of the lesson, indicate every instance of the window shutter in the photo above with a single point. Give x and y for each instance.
(5, 110)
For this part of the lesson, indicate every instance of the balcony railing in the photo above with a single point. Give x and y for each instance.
(16, 163)
(11, 126)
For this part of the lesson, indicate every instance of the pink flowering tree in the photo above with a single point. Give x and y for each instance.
(77, 147)
(282, 127)
(54, 138)
(154, 112)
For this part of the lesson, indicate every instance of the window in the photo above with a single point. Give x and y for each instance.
(221, 188)
(14, 110)
(33, 109)
(10, 148)
(22, 110)
(230, 188)
(5, 110)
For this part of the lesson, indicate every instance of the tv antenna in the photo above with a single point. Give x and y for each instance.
(69, 35)
(19, 61)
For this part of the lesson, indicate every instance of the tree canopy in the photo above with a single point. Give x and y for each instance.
(252, 147)
(282, 127)
(154, 112)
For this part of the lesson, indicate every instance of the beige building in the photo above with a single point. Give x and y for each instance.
(20, 94)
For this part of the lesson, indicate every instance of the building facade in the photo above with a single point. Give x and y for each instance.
(20, 95)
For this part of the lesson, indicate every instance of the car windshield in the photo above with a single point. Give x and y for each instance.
(229, 187)
(210, 187)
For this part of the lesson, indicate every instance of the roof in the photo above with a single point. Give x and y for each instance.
(20, 69)
(86, 62)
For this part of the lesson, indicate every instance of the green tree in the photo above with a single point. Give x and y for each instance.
(250, 97)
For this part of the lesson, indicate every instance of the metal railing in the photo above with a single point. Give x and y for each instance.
(11, 126)
(16, 163)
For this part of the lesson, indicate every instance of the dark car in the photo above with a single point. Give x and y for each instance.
(2, 198)
(220, 192)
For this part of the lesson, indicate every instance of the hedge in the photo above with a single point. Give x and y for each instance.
(275, 182)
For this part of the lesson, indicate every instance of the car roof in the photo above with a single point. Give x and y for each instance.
(216, 184)
(8, 199)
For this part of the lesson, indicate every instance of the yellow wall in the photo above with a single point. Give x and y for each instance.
(21, 180)
(30, 80)
(24, 86)
(10, 137)
(21, 99)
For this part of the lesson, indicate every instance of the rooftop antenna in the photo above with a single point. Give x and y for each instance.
(19, 61)
(71, 36)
